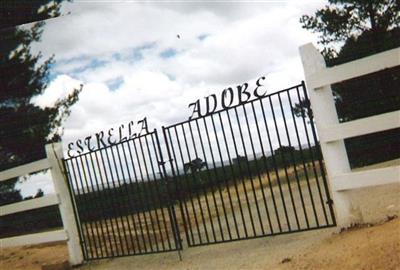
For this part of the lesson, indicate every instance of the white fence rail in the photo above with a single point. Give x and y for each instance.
(353, 69)
(373, 177)
(61, 198)
(360, 127)
(29, 205)
(35, 238)
(332, 133)
(22, 170)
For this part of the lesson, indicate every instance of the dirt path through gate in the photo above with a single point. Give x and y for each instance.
(125, 224)
(376, 247)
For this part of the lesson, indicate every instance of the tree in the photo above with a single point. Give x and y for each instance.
(39, 193)
(346, 22)
(194, 166)
(352, 29)
(8, 192)
(239, 160)
(284, 150)
(303, 109)
(24, 127)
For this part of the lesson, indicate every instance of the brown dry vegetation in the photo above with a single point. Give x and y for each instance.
(33, 257)
(365, 248)
(376, 247)
(129, 234)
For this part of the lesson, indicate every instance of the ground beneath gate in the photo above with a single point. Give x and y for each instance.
(376, 247)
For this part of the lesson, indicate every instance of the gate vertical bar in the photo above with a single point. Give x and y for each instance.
(267, 169)
(183, 204)
(175, 227)
(225, 178)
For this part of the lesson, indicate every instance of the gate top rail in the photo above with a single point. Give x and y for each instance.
(302, 84)
(150, 133)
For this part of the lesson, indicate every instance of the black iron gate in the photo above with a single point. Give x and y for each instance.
(250, 170)
(246, 171)
(122, 201)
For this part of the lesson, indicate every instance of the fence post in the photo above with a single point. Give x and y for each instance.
(54, 155)
(334, 153)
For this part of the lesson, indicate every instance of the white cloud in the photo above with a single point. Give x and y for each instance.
(40, 180)
(243, 42)
(60, 87)
(106, 42)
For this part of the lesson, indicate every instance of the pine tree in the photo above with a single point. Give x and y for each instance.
(24, 127)
(358, 27)
(352, 29)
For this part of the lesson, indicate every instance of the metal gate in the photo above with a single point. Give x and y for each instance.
(246, 171)
(250, 170)
(122, 200)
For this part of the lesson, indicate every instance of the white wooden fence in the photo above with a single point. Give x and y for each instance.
(61, 198)
(332, 133)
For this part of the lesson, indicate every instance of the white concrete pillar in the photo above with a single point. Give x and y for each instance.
(54, 155)
(334, 153)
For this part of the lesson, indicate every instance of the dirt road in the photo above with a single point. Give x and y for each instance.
(297, 206)
(376, 247)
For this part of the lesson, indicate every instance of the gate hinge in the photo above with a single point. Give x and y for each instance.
(329, 201)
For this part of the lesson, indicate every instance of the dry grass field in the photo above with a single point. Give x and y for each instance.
(226, 221)
(369, 248)
(219, 215)
(376, 247)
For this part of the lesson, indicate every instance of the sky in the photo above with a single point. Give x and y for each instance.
(152, 58)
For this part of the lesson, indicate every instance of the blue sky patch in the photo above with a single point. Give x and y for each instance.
(134, 54)
(117, 56)
(52, 72)
(203, 37)
(168, 53)
(52, 75)
(114, 84)
(171, 77)
(138, 51)
(89, 64)
(95, 63)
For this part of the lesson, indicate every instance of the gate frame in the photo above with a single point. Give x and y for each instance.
(325, 188)
(79, 238)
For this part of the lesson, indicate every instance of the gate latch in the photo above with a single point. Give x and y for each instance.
(161, 163)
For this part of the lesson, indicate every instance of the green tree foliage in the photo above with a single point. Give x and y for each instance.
(284, 150)
(303, 109)
(194, 166)
(351, 24)
(39, 193)
(239, 160)
(352, 29)
(24, 127)
(8, 192)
